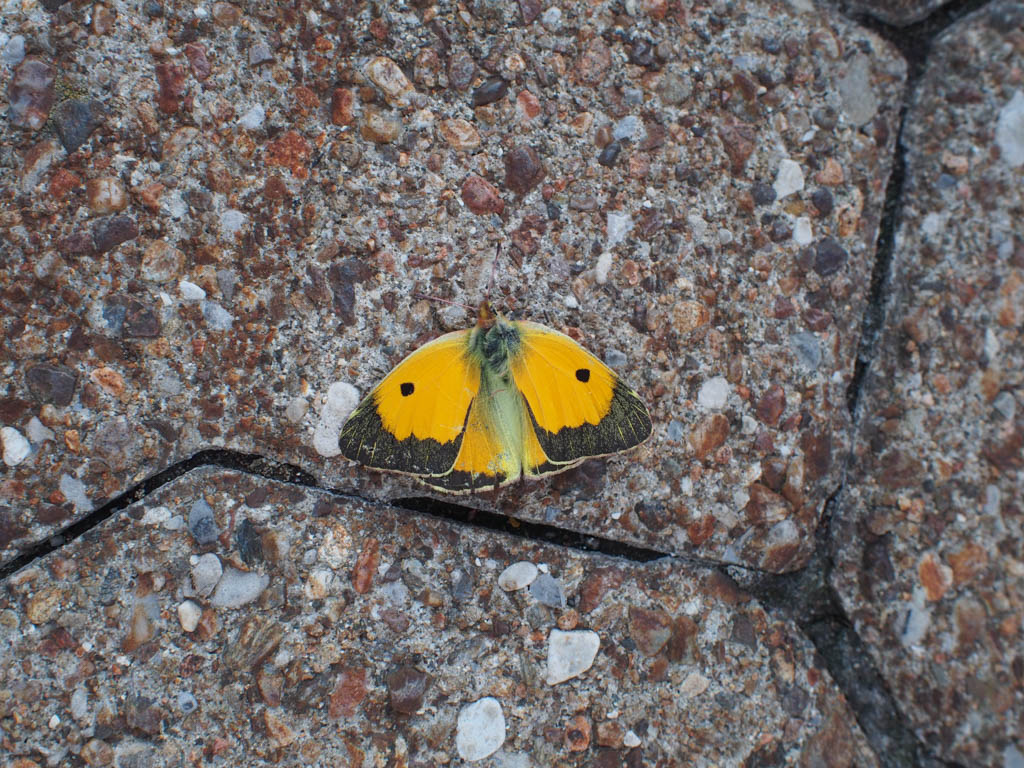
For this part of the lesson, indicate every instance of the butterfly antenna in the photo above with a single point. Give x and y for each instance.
(443, 301)
(494, 270)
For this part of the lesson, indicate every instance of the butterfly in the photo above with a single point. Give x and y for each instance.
(487, 406)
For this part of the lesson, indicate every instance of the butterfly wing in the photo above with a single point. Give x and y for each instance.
(415, 419)
(578, 406)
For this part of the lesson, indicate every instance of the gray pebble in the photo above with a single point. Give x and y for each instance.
(201, 524)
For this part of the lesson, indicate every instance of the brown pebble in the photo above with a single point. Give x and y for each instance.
(348, 693)
(649, 629)
(30, 93)
(577, 734)
(342, 101)
(366, 566)
(708, 434)
(279, 733)
(406, 688)
(480, 196)
(106, 195)
(523, 169)
(171, 80)
(379, 126)
(460, 134)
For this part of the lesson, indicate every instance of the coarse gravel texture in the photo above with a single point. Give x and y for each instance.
(928, 528)
(227, 212)
(374, 632)
(220, 224)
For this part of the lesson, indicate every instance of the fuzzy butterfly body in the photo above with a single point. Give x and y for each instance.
(487, 406)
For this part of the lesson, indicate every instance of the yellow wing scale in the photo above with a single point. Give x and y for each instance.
(452, 415)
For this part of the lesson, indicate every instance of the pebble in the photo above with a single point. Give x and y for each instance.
(480, 196)
(829, 257)
(189, 614)
(480, 730)
(615, 358)
(296, 409)
(603, 267)
(106, 194)
(260, 53)
(156, 516)
(803, 234)
(789, 178)
(74, 491)
(236, 588)
(1010, 130)
(161, 262)
(218, 318)
(630, 740)
(630, 127)
(30, 93)
(489, 91)
(75, 120)
(191, 291)
(16, 447)
(379, 126)
(808, 350)
(714, 393)
(231, 222)
(518, 576)
(253, 118)
(618, 226)
(460, 134)
(13, 51)
(79, 704)
(858, 99)
(37, 432)
(389, 77)
(570, 654)
(107, 234)
(38, 160)
(206, 573)
(406, 688)
(186, 702)
(523, 169)
(52, 383)
(342, 398)
(201, 523)
(546, 590)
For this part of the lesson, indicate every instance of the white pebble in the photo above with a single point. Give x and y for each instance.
(694, 685)
(75, 492)
(236, 588)
(54, 722)
(570, 654)
(156, 516)
(789, 179)
(206, 573)
(802, 232)
(38, 432)
(16, 447)
(191, 291)
(296, 409)
(517, 576)
(619, 225)
(231, 222)
(188, 614)
(1010, 130)
(571, 302)
(342, 399)
(713, 393)
(79, 703)
(480, 730)
(630, 740)
(604, 265)
(218, 318)
(253, 119)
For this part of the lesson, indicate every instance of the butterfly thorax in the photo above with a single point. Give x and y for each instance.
(495, 346)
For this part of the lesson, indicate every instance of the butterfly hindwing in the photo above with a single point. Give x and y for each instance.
(414, 420)
(578, 406)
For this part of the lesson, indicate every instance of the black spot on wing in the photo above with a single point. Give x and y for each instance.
(407, 388)
(627, 424)
(364, 439)
(583, 374)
